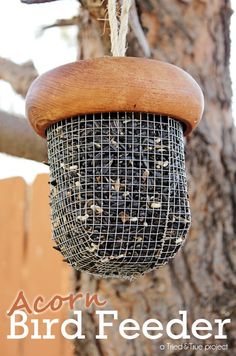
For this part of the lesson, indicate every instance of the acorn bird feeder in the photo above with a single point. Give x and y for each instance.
(115, 131)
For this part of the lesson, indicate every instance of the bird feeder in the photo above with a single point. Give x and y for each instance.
(115, 131)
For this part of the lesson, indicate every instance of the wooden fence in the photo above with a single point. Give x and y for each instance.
(28, 262)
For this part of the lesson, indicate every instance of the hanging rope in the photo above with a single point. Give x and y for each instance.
(119, 29)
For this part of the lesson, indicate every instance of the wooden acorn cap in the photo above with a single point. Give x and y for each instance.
(112, 84)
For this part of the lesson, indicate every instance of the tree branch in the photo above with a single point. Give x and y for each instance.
(17, 138)
(75, 20)
(36, 1)
(138, 30)
(20, 76)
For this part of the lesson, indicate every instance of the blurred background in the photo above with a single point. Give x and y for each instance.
(194, 35)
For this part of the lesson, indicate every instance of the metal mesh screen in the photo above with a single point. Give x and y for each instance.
(118, 191)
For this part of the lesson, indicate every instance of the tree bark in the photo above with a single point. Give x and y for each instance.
(202, 278)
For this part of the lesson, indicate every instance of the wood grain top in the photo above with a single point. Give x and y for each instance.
(114, 84)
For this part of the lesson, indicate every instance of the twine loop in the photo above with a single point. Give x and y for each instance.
(119, 27)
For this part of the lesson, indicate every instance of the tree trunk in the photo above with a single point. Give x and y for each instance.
(194, 35)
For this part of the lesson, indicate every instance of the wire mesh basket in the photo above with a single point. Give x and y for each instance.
(115, 128)
(118, 191)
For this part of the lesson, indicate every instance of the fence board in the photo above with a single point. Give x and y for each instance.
(12, 193)
(34, 266)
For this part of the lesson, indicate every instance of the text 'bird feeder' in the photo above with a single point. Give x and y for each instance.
(114, 129)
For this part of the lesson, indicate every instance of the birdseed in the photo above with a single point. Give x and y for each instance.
(118, 196)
